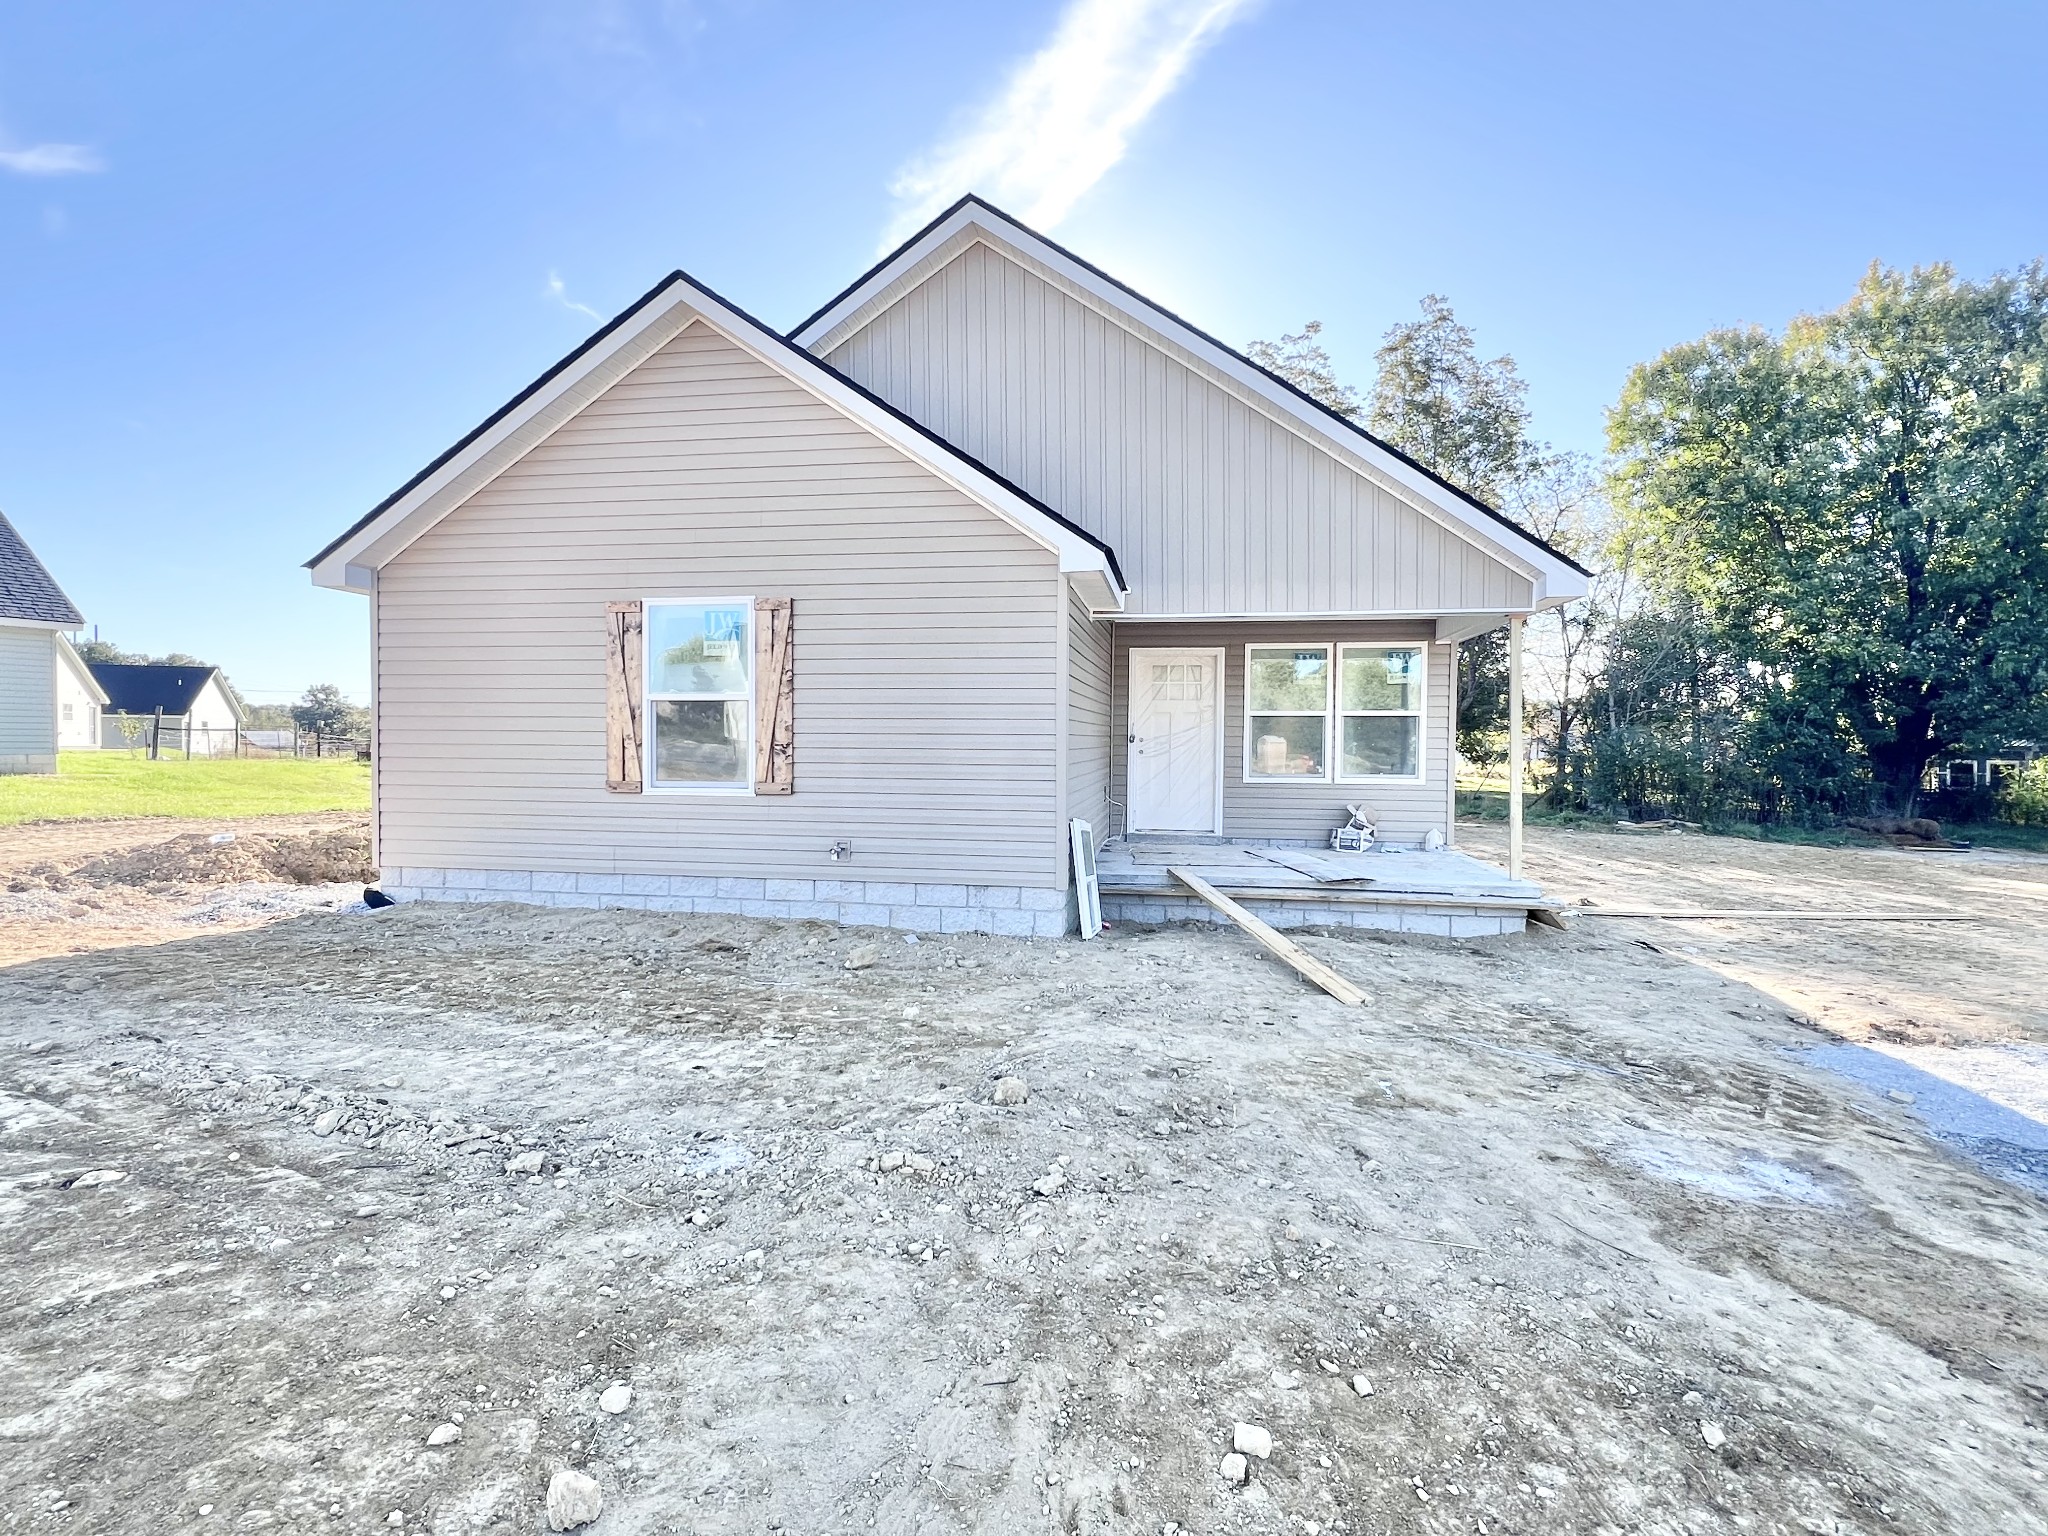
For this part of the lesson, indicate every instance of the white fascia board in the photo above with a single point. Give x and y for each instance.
(351, 563)
(48, 626)
(68, 654)
(1554, 577)
(1076, 553)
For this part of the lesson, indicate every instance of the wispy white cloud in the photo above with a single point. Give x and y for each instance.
(1067, 114)
(51, 160)
(560, 294)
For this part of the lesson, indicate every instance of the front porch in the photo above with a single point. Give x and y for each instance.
(1408, 890)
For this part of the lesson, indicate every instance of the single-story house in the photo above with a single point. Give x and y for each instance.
(34, 614)
(1989, 770)
(853, 622)
(174, 709)
(80, 700)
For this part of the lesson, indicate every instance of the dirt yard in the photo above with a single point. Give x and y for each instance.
(1558, 1234)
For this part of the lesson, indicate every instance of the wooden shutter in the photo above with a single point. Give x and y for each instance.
(623, 697)
(775, 698)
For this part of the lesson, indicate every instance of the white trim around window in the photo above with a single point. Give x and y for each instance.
(1287, 727)
(1413, 682)
(733, 619)
(1291, 738)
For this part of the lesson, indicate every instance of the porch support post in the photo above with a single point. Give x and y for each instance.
(1515, 746)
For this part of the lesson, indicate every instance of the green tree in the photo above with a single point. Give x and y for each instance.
(1859, 511)
(326, 711)
(1302, 361)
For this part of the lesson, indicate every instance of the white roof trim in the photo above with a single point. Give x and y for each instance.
(68, 655)
(1556, 580)
(349, 563)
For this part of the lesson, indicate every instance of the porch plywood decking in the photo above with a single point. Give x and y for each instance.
(1439, 891)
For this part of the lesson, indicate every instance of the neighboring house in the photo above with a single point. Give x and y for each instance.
(80, 698)
(178, 709)
(850, 623)
(1990, 771)
(34, 613)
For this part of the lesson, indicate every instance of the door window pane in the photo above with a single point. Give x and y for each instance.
(1288, 746)
(692, 649)
(1382, 744)
(1287, 678)
(700, 741)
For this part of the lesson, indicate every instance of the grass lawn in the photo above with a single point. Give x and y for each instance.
(95, 786)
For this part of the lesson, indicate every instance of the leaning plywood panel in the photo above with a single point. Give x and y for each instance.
(926, 681)
(1213, 504)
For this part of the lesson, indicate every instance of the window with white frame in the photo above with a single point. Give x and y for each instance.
(1344, 712)
(1379, 711)
(1962, 774)
(700, 694)
(1287, 712)
(2001, 773)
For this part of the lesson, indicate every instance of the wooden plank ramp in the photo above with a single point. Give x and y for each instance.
(1709, 915)
(1307, 964)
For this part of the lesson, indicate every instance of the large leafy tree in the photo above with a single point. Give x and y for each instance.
(1465, 418)
(1859, 510)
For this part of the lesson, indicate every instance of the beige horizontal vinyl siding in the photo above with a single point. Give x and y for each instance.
(1212, 504)
(1090, 644)
(926, 646)
(28, 695)
(1305, 811)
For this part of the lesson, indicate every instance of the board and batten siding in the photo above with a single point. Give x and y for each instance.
(927, 638)
(1090, 643)
(28, 700)
(1213, 506)
(1303, 812)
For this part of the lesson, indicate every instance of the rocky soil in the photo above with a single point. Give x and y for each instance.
(360, 1221)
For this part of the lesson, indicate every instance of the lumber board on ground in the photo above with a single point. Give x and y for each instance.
(1703, 914)
(1307, 964)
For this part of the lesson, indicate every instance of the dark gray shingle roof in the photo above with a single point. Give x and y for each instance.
(27, 591)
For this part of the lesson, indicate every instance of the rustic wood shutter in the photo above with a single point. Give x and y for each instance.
(623, 697)
(775, 698)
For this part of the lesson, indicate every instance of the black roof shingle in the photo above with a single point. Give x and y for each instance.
(27, 590)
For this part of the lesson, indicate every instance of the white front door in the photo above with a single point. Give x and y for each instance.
(1176, 762)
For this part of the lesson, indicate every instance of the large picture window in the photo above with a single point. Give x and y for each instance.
(700, 694)
(1287, 712)
(1379, 711)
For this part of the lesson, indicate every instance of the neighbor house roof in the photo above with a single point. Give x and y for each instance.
(27, 590)
(508, 432)
(137, 689)
(821, 331)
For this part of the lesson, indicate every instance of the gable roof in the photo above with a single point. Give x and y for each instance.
(499, 434)
(27, 590)
(133, 688)
(80, 669)
(1475, 515)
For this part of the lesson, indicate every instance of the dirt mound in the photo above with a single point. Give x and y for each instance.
(221, 858)
(1919, 828)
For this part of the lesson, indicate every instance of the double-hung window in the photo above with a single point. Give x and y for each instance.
(1321, 712)
(1287, 712)
(1379, 711)
(700, 694)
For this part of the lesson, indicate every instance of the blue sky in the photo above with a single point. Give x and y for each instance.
(262, 262)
